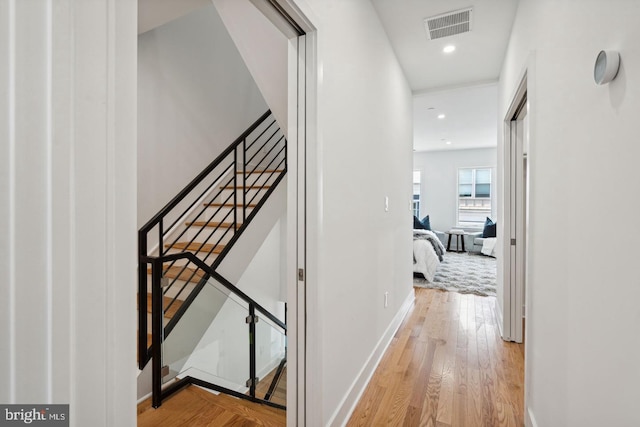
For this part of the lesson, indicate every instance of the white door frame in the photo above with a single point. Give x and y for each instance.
(513, 238)
(302, 101)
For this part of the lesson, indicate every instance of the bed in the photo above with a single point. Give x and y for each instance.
(428, 253)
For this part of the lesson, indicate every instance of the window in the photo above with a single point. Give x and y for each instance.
(474, 196)
(416, 193)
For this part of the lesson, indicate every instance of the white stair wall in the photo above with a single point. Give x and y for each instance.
(266, 56)
(154, 13)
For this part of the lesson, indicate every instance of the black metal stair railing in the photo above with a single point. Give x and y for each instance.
(193, 234)
(156, 353)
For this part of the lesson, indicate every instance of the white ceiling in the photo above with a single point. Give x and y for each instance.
(479, 53)
(470, 118)
(455, 84)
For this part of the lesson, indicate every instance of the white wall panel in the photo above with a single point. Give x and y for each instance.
(7, 147)
(68, 207)
(582, 297)
(363, 154)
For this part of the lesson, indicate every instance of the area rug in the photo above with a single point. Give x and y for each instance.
(464, 273)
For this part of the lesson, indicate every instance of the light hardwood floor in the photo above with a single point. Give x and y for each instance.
(446, 367)
(194, 407)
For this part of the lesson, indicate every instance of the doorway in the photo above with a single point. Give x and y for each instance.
(293, 97)
(516, 193)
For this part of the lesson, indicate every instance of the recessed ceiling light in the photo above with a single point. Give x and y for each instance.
(441, 116)
(448, 142)
(449, 48)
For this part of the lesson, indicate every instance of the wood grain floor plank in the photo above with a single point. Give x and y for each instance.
(445, 401)
(461, 348)
(403, 392)
(446, 367)
(370, 403)
(488, 377)
(397, 390)
(474, 393)
(428, 416)
(459, 411)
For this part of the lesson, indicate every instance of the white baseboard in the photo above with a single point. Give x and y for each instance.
(499, 318)
(530, 420)
(144, 382)
(143, 398)
(348, 404)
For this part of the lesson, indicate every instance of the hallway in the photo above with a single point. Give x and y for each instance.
(446, 366)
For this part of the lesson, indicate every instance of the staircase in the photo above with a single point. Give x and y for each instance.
(193, 323)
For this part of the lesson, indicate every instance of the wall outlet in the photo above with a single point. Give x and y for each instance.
(386, 299)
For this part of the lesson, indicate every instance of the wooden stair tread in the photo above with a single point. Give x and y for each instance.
(212, 224)
(228, 205)
(182, 273)
(165, 302)
(197, 247)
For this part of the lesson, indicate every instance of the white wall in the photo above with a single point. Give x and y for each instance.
(439, 180)
(262, 278)
(582, 341)
(363, 153)
(153, 13)
(264, 49)
(68, 207)
(195, 97)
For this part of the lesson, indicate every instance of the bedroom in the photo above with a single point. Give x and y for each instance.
(454, 176)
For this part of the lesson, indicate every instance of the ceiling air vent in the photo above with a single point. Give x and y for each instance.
(448, 24)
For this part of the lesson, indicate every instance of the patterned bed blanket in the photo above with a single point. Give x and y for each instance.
(431, 237)
(428, 252)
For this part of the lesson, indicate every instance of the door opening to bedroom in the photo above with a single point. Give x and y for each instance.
(455, 189)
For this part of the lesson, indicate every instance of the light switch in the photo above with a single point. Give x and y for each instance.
(386, 203)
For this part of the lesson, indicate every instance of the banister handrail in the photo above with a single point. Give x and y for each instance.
(224, 282)
(201, 176)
